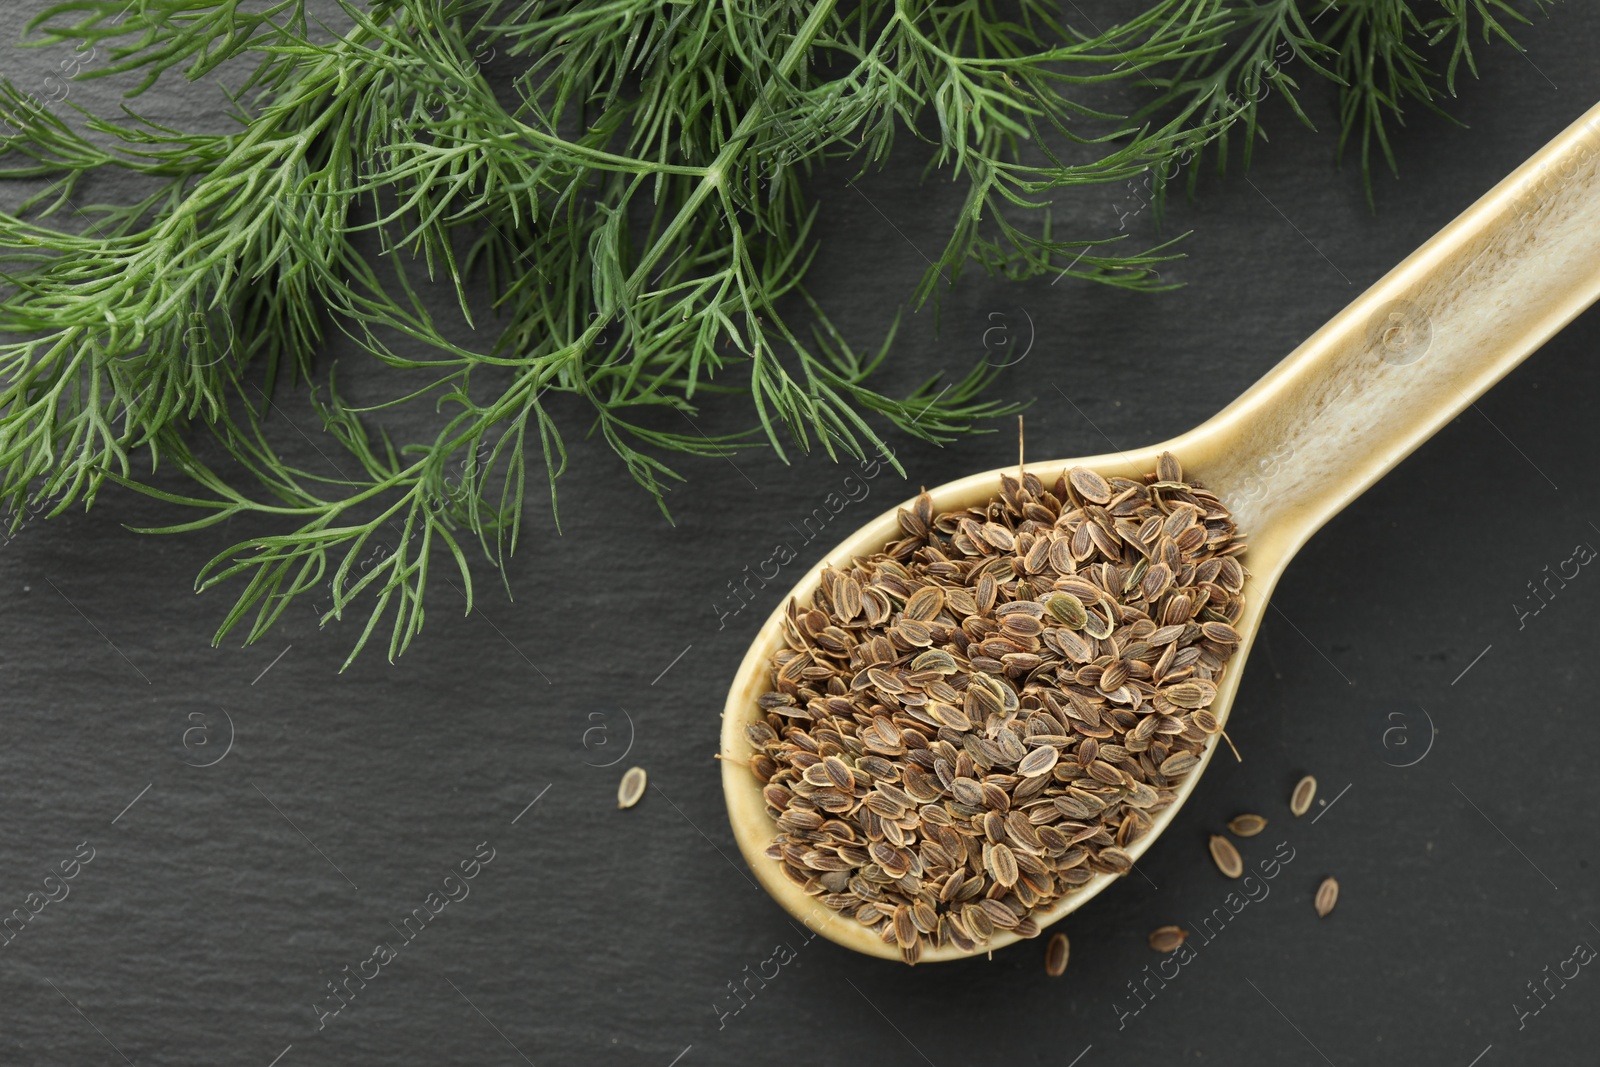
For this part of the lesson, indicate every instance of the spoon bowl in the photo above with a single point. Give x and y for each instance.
(1340, 411)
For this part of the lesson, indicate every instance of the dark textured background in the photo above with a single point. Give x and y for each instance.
(221, 901)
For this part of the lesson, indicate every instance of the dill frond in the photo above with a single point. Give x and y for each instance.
(636, 210)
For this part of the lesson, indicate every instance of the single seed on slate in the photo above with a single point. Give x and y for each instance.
(1300, 799)
(1168, 938)
(1226, 856)
(1055, 955)
(1327, 896)
(631, 788)
(1246, 825)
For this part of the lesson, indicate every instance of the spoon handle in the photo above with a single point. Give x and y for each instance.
(1410, 353)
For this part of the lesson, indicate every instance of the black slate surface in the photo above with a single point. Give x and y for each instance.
(237, 870)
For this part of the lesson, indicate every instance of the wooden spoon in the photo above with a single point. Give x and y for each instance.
(1380, 378)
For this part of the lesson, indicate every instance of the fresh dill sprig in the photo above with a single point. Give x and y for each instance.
(1381, 54)
(635, 208)
(1384, 51)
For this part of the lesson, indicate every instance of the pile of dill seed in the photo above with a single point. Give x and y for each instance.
(975, 721)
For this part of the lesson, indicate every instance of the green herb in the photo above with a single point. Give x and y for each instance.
(636, 210)
(1378, 53)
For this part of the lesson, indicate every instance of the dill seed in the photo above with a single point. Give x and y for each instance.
(1055, 955)
(631, 787)
(1327, 897)
(1090, 485)
(905, 931)
(1226, 856)
(1168, 938)
(1246, 825)
(972, 723)
(1304, 792)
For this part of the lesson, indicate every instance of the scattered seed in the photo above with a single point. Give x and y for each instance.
(1226, 856)
(1327, 896)
(974, 722)
(631, 788)
(1055, 955)
(1246, 825)
(1168, 938)
(1300, 799)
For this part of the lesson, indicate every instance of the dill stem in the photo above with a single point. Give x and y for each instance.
(714, 172)
(711, 178)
